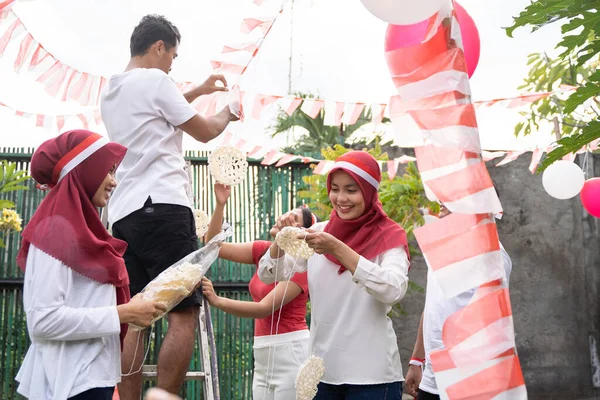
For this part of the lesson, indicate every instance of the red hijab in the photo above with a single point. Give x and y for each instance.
(373, 232)
(66, 225)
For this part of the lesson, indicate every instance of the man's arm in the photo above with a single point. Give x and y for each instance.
(415, 373)
(209, 86)
(206, 129)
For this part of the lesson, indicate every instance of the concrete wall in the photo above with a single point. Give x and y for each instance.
(555, 250)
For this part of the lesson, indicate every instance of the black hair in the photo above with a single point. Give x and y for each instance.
(307, 217)
(150, 30)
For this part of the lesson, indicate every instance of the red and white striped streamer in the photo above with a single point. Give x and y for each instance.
(462, 250)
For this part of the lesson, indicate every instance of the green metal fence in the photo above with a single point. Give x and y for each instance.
(251, 210)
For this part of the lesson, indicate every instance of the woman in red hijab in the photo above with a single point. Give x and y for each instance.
(76, 288)
(358, 272)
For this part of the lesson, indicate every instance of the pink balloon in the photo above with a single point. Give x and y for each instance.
(590, 196)
(401, 36)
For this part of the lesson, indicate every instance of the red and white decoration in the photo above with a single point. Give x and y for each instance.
(463, 251)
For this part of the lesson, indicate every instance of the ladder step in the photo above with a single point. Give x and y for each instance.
(150, 372)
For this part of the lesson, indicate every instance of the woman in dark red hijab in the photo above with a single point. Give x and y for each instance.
(358, 272)
(76, 293)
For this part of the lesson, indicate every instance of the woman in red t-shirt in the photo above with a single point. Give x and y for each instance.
(281, 335)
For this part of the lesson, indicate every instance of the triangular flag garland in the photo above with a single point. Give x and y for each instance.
(54, 123)
(67, 83)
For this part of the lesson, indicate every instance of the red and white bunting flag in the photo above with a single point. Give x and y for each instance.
(39, 56)
(323, 167)
(27, 44)
(392, 169)
(54, 83)
(223, 66)
(312, 107)
(84, 121)
(255, 151)
(462, 251)
(570, 157)
(286, 159)
(490, 155)
(289, 104)
(510, 157)
(250, 48)
(60, 122)
(453, 126)
(81, 89)
(333, 113)
(271, 157)
(4, 5)
(260, 102)
(249, 24)
(227, 137)
(97, 117)
(13, 30)
(240, 144)
(39, 120)
(405, 159)
(377, 111)
(351, 112)
(527, 99)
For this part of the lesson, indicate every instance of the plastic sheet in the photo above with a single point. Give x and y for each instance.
(179, 280)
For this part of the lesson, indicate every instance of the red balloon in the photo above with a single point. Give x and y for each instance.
(590, 196)
(402, 36)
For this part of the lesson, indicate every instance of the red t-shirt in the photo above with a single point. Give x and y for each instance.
(293, 314)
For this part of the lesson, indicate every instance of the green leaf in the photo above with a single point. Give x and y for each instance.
(571, 144)
(580, 96)
(6, 204)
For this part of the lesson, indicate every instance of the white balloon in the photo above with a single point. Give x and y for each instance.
(403, 12)
(563, 179)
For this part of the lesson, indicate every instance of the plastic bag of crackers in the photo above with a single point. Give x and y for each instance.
(179, 280)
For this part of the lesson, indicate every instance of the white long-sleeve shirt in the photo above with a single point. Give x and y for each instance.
(349, 326)
(74, 329)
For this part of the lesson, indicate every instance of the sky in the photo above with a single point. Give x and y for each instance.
(337, 54)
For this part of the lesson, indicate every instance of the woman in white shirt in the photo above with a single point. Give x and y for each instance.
(359, 272)
(76, 287)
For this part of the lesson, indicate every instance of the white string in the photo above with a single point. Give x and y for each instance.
(270, 376)
(135, 353)
(585, 162)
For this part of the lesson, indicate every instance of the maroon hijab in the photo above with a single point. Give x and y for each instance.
(66, 225)
(373, 232)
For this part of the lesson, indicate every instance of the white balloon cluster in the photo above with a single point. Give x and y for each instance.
(404, 12)
(563, 179)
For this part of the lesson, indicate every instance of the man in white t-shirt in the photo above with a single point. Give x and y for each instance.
(420, 379)
(144, 111)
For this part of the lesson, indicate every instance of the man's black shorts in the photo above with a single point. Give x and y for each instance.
(157, 235)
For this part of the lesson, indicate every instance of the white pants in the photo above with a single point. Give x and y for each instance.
(277, 359)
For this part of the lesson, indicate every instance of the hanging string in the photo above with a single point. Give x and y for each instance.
(135, 353)
(270, 376)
